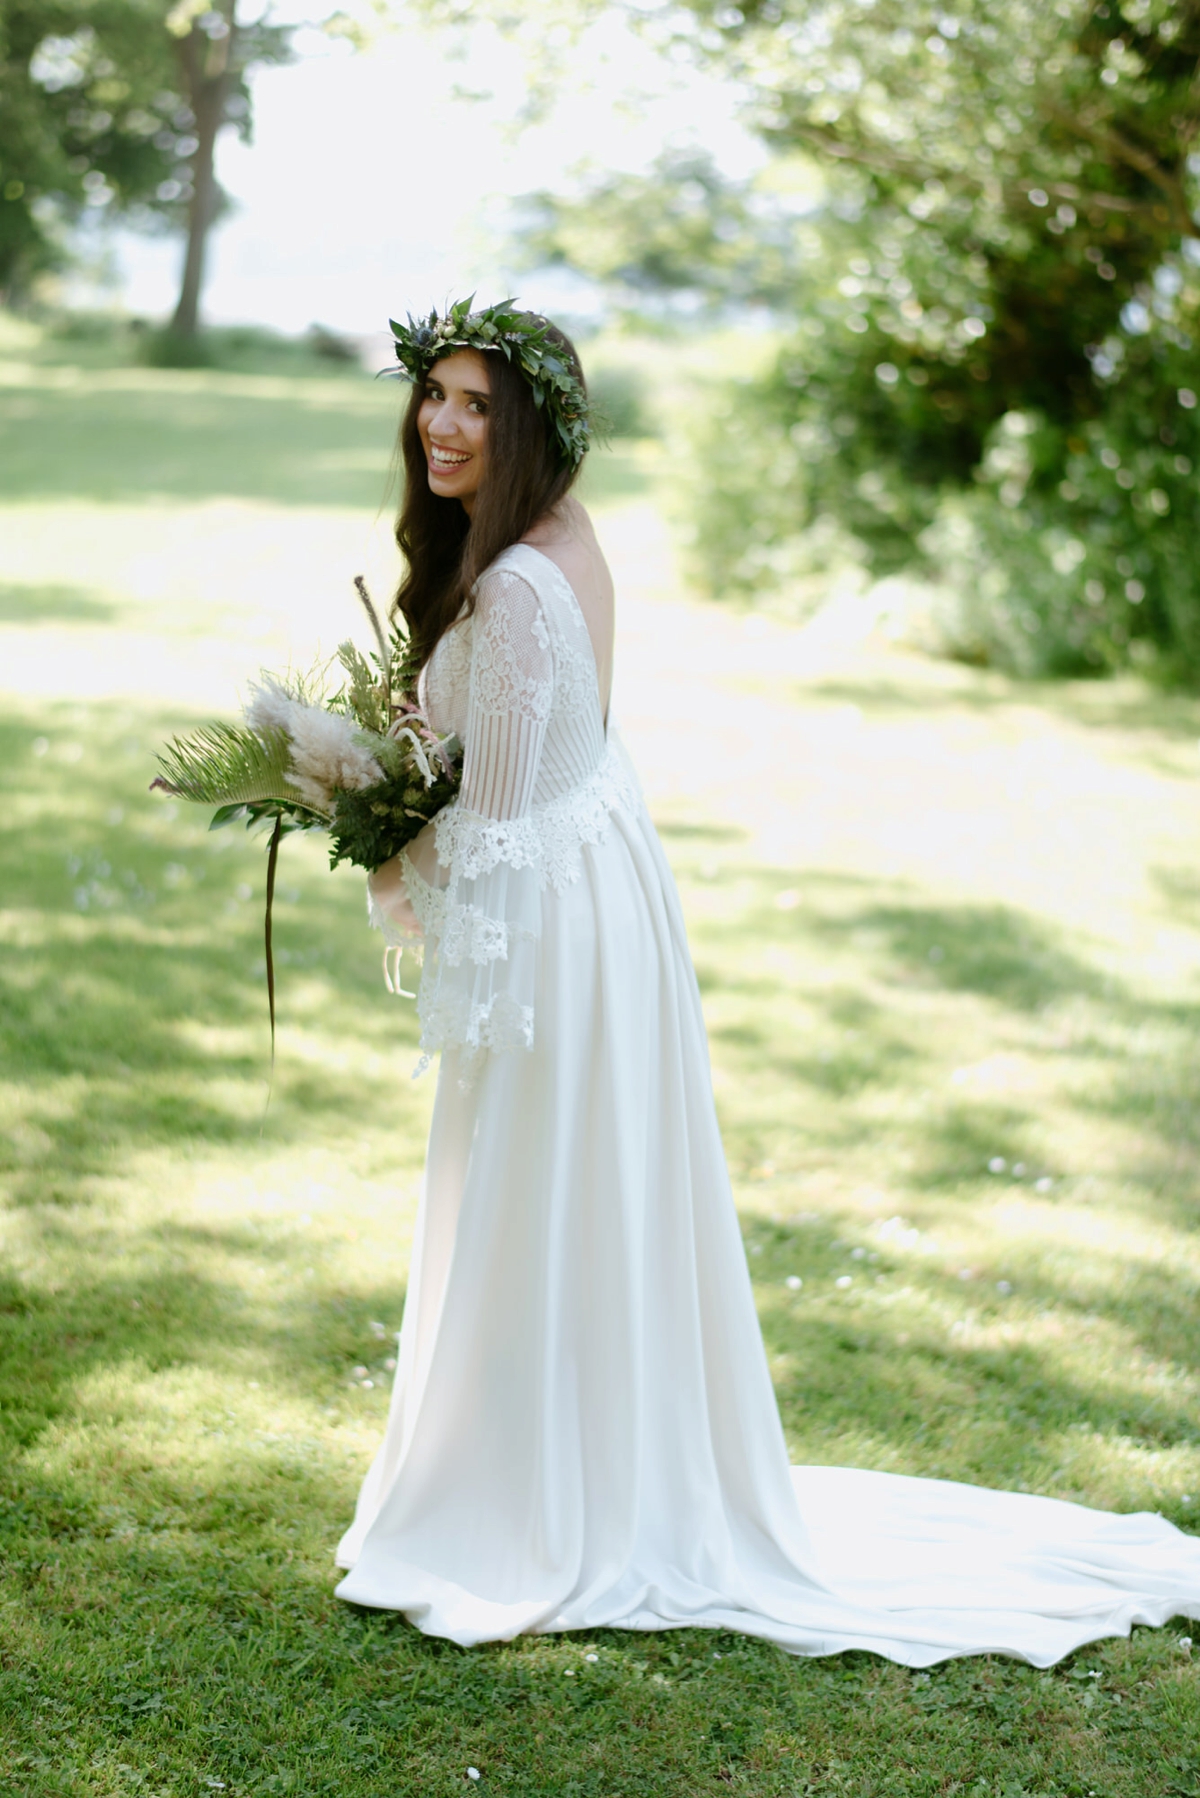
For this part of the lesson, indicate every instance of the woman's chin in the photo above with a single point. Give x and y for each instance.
(449, 486)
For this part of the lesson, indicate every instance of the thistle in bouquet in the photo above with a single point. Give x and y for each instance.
(362, 763)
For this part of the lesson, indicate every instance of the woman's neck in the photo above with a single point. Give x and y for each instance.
(560, 525)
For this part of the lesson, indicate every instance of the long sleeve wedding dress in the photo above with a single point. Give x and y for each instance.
(583, 1432)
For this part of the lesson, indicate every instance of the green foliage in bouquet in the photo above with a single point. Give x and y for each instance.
(234, 768)
(362, 763)
(387, 816)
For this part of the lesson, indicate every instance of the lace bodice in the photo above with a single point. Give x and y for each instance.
(516, 681)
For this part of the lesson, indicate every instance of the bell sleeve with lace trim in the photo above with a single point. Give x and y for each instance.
(474, 876)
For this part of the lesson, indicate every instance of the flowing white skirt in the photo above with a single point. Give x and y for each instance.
(583, 1432)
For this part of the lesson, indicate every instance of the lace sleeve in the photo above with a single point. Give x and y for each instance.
(512, 683)
(483, 916)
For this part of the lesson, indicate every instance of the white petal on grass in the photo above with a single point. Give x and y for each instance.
(793, 1282)
(997, 1164)
(474, 1773)
(843, 1280)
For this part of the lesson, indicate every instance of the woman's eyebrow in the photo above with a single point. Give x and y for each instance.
(471, 393)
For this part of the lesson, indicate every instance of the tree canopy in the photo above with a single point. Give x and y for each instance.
(115, 105)
(997, 296)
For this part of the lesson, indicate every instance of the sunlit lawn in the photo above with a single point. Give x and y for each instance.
(961, 1113)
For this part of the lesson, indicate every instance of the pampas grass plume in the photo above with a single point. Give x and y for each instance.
(325, 756)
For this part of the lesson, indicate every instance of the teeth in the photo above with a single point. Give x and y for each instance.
(447, 459)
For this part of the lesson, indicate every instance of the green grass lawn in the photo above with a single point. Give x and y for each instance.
(964, 1117)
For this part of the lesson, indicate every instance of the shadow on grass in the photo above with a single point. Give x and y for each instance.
(316, 442)
(197, 436)
(54, 605)
(1179, 888)
(167, 1523)
(1124, 705)
(131, 968)
(849, 1049)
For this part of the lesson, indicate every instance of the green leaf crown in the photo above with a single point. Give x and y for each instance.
(521, 336)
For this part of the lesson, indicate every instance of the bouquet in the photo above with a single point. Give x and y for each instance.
(362, 763)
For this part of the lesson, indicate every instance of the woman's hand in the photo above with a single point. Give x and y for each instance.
(387, 890)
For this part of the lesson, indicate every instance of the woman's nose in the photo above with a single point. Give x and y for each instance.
(444, 420)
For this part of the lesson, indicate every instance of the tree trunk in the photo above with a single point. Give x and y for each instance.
(207, 75)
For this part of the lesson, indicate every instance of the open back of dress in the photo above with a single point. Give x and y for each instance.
(583, 1430)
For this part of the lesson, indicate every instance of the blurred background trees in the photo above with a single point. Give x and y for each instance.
(945, 330)
(116, 105)
(984, 367)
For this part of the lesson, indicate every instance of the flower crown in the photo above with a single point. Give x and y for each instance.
(521, 336)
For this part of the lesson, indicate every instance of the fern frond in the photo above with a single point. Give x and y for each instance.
(226, 764)
(406, 664)
(364, 696)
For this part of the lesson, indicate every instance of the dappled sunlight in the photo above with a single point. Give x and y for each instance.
(948, 941)
(128, 434)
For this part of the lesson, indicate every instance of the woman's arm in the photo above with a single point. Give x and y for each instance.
(508, 706)
(390, 907)
(482, 921)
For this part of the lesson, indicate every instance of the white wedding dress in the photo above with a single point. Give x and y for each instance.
(583, 1432)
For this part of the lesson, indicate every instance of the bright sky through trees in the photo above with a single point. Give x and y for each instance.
(372, 186)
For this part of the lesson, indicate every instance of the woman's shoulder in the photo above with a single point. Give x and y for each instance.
(520, 572)
(510, 584)
(569, 522)
(532, 568)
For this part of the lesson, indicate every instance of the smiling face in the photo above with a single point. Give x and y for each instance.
(453, 425)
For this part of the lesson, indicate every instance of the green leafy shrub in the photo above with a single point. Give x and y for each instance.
(1058, 529)
(991, 305)
(173, 349)
(616, 394)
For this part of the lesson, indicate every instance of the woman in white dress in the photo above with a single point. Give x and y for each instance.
(583, 1431)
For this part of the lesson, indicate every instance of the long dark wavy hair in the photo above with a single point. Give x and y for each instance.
(445, 550)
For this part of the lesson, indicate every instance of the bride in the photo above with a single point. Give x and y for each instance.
(583, 1431)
